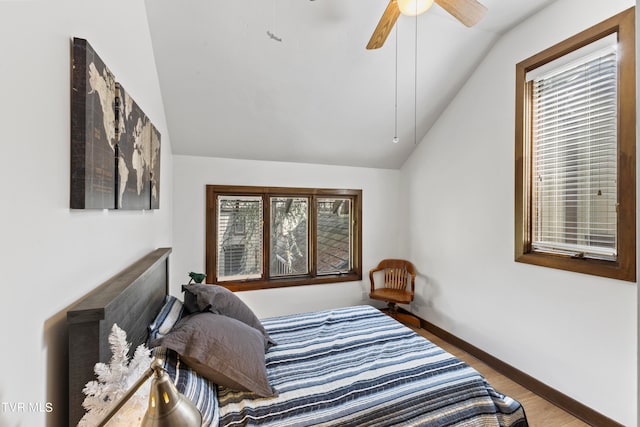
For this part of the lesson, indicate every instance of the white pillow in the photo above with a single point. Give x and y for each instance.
(169, 314)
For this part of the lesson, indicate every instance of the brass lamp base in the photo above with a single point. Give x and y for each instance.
(167, 407)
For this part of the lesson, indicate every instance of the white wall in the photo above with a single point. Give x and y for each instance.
(51, 256)
(379, 223)
(574, 332)
(571, 331)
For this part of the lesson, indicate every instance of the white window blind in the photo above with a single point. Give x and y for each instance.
(574, 148)
(239, 237)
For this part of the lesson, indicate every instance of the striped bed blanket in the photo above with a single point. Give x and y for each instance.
(357, 367)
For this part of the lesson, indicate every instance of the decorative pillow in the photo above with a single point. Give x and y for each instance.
(222, 349)
(169, 314)
(216, 299)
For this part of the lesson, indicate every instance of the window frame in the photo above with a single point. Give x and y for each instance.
(267, 282)
(624, 267)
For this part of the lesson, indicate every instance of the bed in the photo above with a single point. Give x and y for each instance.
(347, 366)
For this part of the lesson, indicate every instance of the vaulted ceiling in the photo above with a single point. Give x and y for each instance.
(291, 80)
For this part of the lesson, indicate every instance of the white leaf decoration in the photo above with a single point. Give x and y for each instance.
(113, 382)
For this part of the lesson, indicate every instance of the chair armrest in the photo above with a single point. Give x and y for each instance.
(373, 270)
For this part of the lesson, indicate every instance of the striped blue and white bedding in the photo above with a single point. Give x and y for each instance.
(357, 367)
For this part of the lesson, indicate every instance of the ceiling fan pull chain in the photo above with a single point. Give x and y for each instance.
(395, 129)
(415, 86)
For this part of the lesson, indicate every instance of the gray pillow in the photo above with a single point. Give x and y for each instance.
(216, 299)
(223, 350)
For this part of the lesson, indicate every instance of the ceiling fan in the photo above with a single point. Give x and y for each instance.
(469, 12)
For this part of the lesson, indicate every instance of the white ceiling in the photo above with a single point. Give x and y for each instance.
(291, 80)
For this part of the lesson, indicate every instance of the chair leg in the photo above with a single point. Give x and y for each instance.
(392, 308)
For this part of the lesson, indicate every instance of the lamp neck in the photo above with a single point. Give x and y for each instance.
(147, 374)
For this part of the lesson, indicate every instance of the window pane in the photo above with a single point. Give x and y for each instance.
(289, 236)
(239, 237)
(574, 186)
(334, 235)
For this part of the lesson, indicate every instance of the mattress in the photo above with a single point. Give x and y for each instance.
(355, 366)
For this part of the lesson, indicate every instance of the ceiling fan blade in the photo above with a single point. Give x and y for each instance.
(385, 25)
(469, 12)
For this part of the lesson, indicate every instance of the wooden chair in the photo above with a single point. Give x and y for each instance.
(398, 288)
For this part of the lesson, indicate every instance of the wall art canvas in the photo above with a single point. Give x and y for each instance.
(93, 143)
(133, 137)
(115, 149)
(155, 168)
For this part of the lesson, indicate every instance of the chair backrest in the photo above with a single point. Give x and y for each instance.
(398, 274)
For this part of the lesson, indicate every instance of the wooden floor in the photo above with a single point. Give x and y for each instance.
(540, 413)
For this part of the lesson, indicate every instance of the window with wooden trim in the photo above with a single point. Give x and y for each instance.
(265, 237)
(575, 153)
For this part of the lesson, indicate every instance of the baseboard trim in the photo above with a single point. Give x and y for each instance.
(559, 399)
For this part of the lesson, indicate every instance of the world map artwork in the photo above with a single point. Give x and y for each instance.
(134, 154)
(92, 130)
(155, 168)
(115, 148)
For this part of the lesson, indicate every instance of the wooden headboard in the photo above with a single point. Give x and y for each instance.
(131, 299)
